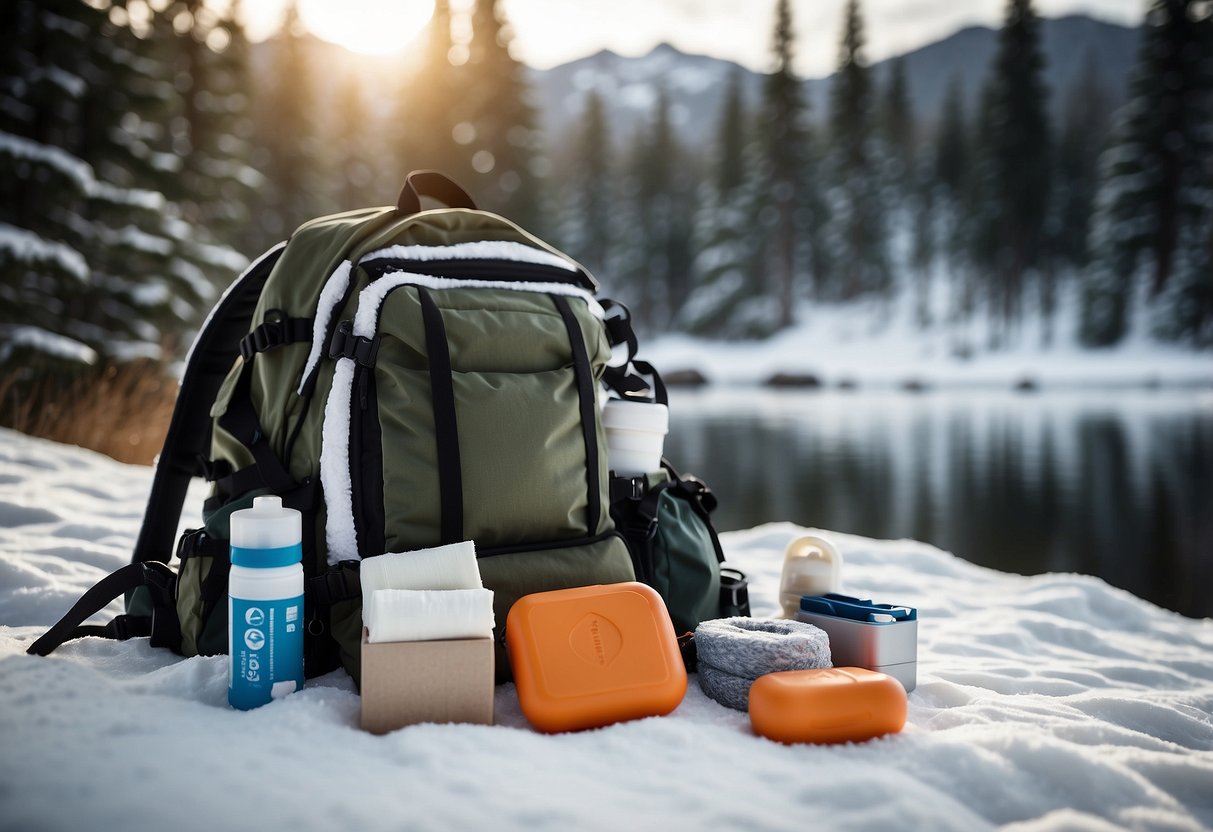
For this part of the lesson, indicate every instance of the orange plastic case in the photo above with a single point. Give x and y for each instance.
(594, 655)
(839, 704)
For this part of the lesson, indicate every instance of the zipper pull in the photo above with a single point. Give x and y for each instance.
(362, 385)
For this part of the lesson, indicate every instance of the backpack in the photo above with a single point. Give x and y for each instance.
(405, 379)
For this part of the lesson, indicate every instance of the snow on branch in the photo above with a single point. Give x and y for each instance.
(70, 166)
(81, 173)
(28, 247)
(43, 341)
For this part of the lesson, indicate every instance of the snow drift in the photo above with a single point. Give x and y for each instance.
(1049, 702)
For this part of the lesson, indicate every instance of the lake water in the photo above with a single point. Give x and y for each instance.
(1113, 483)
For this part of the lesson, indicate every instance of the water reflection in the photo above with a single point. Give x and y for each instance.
(1117, 484)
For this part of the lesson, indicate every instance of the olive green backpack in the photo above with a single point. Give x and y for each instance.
(405, 379)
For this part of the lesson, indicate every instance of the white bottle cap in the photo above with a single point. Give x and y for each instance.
(267, 525)
(635, 435)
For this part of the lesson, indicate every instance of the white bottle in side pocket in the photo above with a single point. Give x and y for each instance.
(635, 435)
(265, 604)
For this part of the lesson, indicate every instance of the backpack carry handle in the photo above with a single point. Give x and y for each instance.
(433, 184)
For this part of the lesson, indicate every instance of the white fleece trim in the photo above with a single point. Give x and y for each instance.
(227, 292)
(340, 534)
(330, 296)
(372, 296)
(478, 250)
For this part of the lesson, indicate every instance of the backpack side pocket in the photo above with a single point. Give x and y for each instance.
(201, 593)
(675, 549)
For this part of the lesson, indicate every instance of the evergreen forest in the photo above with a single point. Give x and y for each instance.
(149, 151)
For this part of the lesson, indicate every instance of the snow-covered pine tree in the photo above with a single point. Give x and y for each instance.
(1084, 136)
(288, 133)
(952, 176)
(910, 214)
(1014, 158)
(727, 290)
(664, 233)
(855, 198)
(93, 263)
(506, 149)
(216, 186)
(731, 139)
(1153, 229)
(785, 142)
(898, 132)
(588, 229)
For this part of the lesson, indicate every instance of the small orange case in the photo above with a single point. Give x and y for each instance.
(594, 655)
(840, 704)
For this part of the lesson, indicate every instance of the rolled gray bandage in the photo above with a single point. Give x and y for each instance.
(727, 689)
(750, 647)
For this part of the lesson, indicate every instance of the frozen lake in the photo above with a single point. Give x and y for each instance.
(1113, 483)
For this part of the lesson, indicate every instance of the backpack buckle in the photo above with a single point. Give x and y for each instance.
(346, 344)
(628, 488)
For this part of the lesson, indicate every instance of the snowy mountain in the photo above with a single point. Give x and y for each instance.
(695, 83)
(629, 87)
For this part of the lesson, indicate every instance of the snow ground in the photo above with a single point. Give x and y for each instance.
(1046, 702)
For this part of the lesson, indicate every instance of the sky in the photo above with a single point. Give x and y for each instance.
(552, 32)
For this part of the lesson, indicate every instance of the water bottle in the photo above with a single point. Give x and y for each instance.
(265, 604)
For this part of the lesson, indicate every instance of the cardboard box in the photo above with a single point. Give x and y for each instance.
(407, 682)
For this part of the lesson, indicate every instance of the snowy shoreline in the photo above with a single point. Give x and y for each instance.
(874, 366)
(881, 345)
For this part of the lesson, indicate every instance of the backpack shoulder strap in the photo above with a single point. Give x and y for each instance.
(215, 348)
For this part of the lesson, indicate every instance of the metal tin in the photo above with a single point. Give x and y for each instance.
(879, 637)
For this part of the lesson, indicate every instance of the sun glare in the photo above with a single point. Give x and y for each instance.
(371, 27)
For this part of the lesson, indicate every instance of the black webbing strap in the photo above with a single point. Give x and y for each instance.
(619, 327)
(241, 422)
(627, 381)
(189, 432)
(628, 386)
(446, 426)
(589, 405)
(658, 386)
(120, 628)
(160, 581)
(234, 484)
(342, 582)
(196, 543)
(275, 332)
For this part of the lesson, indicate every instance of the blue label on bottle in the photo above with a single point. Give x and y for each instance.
(265, 646)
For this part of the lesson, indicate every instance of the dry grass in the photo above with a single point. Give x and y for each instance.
(122, 410)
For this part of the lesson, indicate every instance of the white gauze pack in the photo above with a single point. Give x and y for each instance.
(427, 594)
(428, 614)
(443, 567)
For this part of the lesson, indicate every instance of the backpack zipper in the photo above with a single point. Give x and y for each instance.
(366, 439)
(514, 271)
